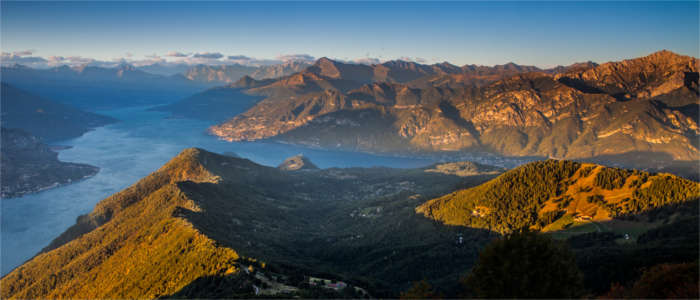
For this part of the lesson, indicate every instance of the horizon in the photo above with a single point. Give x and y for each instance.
(47, 34)
(117, 64)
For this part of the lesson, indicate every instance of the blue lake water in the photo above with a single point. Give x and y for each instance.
(127, 151)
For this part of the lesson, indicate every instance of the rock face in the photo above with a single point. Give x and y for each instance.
(647, 104)
(29, 166)
(296, 163)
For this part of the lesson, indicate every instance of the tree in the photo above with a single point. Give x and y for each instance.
(525, 264)
(663, 281)
(420, 290)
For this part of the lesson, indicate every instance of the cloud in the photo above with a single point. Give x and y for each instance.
(239, 57)
(208, 55)
(23, 53)
(8, 59)
(413, 59)
(296, 57)
(177, 54)
(147, 61)
(367, 61)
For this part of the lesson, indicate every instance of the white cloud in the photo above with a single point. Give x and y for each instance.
(239, 57)
(177, 54)
(367, 61)
(296, 57)
(8, 59)
(413, 59)
(172, 58)
(209, 55)
(23, 53)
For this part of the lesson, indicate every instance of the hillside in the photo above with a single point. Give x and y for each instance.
(554, 195)
(207, 225)
(29, 166)
(215, 105)
(46, 119)
(646, 105)
(193, 226)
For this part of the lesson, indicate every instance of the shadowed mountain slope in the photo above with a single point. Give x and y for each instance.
(209, 225)
(201, 212)
(49, 120)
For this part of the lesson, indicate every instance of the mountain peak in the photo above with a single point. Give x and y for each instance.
(324, 60)
(666, 56)
(326, 67)
(297, 162)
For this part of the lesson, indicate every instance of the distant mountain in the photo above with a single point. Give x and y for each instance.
(218, 74)
(29, 166)
(279, 70)
(93, 88)
(48, 120)
(552, 195)
(576, 67)
(216, 104)
(226, 74)
(168, 69)
(643, 105)
(296, 163)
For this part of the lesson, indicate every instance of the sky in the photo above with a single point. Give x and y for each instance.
(544, 34)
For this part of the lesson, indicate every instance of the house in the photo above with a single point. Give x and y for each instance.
(582, 218)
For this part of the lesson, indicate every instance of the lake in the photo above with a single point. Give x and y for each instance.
(127, 151)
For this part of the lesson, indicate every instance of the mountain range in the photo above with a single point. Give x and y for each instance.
(95, 88)
(226, 74)
(209, 225)
(646, 105)
(49, 120)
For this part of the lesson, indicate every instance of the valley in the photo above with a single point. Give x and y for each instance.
(350, 201)
(350, 150)
(211, 216)
(128, 150)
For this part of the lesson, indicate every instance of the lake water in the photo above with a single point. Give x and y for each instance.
(127, 151)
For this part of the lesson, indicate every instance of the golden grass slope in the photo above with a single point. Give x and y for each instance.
(142, 250)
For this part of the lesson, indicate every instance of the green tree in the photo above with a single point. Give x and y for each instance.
(525, 264)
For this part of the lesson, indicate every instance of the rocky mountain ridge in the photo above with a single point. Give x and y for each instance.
(647, 104)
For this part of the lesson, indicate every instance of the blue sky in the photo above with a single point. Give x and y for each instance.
(534, 33)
